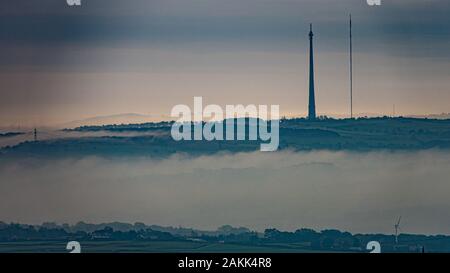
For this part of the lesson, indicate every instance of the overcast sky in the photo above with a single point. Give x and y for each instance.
(61, 63)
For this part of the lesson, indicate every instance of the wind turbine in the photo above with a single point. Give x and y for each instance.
(397, 227)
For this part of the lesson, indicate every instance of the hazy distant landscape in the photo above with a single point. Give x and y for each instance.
(87, 153)
(353, 175)
(138, 237)
(154, 139)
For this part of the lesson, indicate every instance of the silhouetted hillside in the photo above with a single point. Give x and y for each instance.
(363, 134)
(299, 240)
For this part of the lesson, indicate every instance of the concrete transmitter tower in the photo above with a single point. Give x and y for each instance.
(312, 99)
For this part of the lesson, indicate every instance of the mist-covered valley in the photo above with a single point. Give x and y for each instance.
(354, 191)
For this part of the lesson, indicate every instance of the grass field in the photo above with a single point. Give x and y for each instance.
(145, 247)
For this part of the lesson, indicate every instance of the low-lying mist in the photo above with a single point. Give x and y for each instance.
(357, 192)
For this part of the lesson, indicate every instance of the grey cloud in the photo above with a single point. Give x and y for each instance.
(249, 20)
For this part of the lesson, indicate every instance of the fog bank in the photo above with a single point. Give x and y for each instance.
(358, 192)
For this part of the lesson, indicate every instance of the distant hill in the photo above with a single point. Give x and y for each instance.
(19, 238)
(10, 134)
(119, 226)
(433, 116)
(126, 118)
(362, 134)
